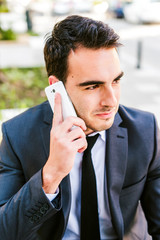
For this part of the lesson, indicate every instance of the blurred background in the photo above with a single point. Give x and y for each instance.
(24, 24)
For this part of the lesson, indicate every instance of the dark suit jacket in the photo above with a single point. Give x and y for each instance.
(132, 170)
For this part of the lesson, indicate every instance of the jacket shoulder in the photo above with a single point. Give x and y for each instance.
(30, 115)
(29, 121)
(133, 116)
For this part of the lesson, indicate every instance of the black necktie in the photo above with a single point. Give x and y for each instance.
(89, 206)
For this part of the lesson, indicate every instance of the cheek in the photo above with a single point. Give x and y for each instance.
(83, 106)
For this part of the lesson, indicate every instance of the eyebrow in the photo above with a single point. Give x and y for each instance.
(119, 76)
(94, 82)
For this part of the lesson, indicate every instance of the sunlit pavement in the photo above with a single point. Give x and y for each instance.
(140, 86)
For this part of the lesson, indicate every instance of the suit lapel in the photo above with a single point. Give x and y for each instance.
(116, 161)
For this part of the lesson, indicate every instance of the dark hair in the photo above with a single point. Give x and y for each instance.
(71, 33)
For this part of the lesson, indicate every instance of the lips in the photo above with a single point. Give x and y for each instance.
(106, 114)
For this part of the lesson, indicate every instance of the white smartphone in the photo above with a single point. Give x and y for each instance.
(67, 106)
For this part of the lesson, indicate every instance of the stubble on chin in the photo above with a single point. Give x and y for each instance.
(99, 127)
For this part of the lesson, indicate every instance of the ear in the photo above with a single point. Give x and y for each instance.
(52, 79)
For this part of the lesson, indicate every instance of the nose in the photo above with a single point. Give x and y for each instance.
(108, 97)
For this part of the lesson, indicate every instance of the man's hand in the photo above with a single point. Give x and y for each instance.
(64, 144)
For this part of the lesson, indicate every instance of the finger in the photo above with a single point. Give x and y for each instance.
(80, 144)
(70, 122)
(76, 133)
(82, 149)
(58, 118)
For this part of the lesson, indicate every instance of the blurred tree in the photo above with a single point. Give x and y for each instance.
(8, 34)
(22, 87)
(3, 6)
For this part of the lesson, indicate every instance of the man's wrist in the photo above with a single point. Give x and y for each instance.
(50, 181)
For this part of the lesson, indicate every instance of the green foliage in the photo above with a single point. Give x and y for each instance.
(96, 2)
(3, 6)
(8, 34)
(22, 88)
(3, 9)
(31, 33)
(0, 117)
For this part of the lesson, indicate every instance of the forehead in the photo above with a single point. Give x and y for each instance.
(93, 63)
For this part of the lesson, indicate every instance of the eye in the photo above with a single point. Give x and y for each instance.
(117, 81)
(92, 87)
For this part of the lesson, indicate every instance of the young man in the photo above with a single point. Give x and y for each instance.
(41, 159)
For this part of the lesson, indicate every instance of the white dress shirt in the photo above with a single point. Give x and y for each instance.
(98, 157)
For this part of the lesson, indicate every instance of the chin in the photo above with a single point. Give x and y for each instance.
(107, 124)
(97, 127)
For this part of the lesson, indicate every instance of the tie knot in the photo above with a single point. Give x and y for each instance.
(91, 141)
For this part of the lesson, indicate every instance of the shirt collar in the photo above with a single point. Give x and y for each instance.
(101, 133)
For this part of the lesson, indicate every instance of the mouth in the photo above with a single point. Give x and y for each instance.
(106, 114)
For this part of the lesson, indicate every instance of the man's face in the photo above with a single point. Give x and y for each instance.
(93, 84)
